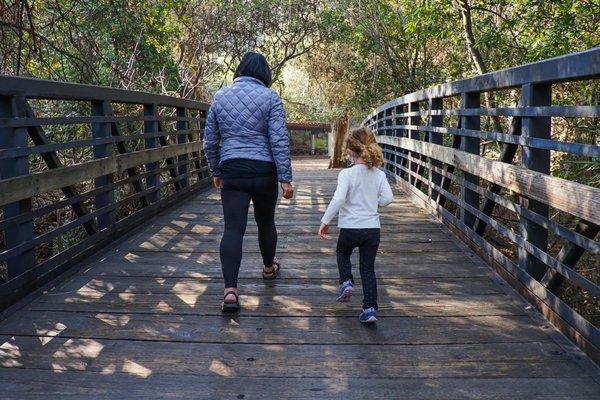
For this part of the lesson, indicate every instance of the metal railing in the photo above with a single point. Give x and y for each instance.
(532, 226)
(80, 166)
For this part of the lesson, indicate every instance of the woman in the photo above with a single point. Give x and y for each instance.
(247, 146)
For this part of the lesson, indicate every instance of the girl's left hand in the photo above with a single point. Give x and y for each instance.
(323, 231)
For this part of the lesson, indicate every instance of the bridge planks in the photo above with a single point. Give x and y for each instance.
(143, 321)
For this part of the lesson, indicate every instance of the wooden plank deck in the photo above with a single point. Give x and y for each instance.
(143, 321)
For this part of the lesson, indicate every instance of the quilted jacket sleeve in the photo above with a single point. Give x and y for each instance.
(212, 141)
(279, 140)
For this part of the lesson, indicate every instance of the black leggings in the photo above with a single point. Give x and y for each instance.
(236, 194)
(367, 241)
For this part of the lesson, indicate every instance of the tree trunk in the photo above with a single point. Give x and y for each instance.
(465, 11)
(340, 131)
(475, 54)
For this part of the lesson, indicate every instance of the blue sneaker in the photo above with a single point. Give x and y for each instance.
(368, 316)
(345, 292)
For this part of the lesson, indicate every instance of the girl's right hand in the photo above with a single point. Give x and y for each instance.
(323, 231)
(217, 182)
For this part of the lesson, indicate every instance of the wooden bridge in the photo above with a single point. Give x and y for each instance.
(116, 294)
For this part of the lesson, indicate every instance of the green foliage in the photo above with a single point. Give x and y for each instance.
(383, 48)
(351, 54)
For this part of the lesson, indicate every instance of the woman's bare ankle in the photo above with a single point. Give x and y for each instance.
(230, 297)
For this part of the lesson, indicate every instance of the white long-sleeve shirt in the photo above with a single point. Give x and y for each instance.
(360, 191)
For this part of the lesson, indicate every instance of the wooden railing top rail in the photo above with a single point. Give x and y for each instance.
(308, 126)
(34, 88)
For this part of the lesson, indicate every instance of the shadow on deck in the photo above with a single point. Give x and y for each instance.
(143, 320)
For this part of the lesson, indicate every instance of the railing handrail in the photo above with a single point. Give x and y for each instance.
(308, 126)
(35, 88)
(411, 131)
(570, 67)
(133, 161)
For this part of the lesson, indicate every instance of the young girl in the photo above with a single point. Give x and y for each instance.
(360, 190)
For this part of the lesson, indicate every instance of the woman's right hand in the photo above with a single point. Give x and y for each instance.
(288, 190)
(217, 182)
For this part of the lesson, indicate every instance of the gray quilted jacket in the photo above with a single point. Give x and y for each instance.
(246, 120)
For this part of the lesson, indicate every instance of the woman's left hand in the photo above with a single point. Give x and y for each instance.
(217, 182)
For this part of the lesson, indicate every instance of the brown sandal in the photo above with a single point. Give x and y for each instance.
(230, 306)
(274, 271)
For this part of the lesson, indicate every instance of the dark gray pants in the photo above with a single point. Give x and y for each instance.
(367, 241)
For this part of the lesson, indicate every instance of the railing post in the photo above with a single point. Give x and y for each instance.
(470, 145)
(389, 121)
(405, 153)
(195, 135)
(103, 130)
(436, 138)
(182, 138)
(201, 125)
(396, 133)
(151, 126)
(397, 110)
(413, 134)
(535, 160)
(22, 232)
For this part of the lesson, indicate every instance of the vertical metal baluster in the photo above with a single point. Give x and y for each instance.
(536, 160)
(470, 145)
(103, 130)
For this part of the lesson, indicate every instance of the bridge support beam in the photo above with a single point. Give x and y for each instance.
(132, 172)
(507, 155)
(535, 160)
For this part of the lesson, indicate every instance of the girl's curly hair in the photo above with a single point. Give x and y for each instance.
(362, 142)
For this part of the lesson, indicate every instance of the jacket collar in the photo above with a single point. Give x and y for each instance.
(248, 79)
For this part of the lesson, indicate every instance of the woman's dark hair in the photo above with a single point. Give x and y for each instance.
(254, 65)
